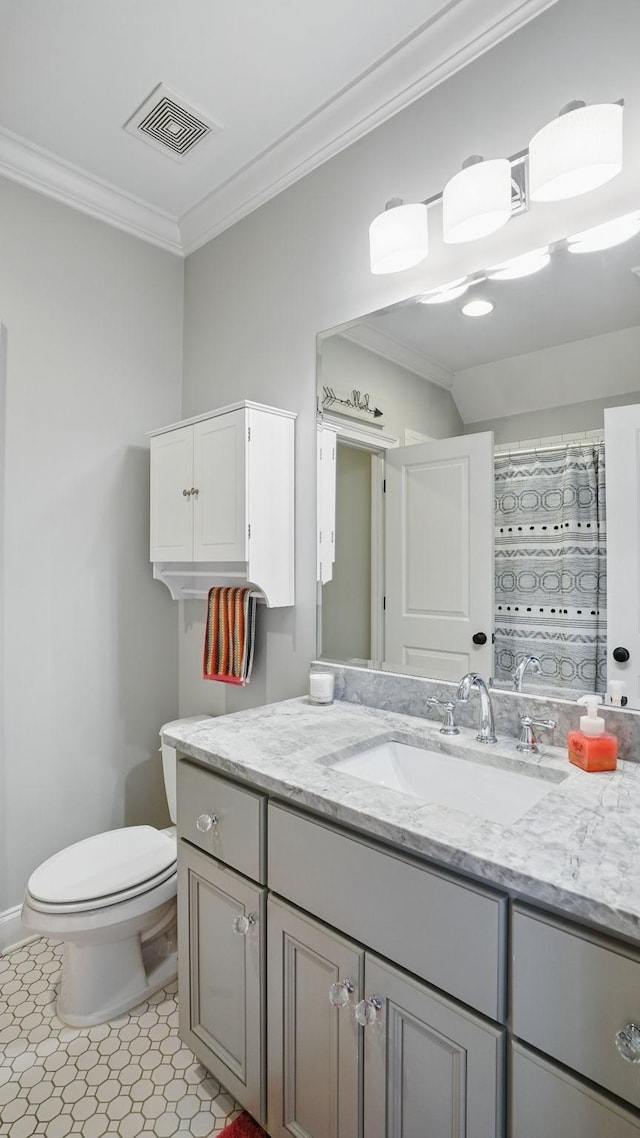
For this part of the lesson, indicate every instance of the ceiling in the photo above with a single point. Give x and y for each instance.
(288, 84)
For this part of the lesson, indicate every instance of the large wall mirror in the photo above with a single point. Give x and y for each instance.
(479, 475)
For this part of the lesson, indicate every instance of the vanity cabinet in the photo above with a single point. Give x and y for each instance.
(222, 499)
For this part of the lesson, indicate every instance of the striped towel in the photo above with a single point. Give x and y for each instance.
(229, 635)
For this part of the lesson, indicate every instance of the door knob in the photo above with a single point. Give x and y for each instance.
(479, 638)
(621, 655)
(340, 993)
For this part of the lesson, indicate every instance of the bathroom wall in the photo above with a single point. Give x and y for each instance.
(94, 342)
(406, 399)
(256, 296)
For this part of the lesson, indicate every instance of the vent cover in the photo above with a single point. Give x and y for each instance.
(169, 123)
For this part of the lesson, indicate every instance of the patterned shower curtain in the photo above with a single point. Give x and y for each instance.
(550, 550)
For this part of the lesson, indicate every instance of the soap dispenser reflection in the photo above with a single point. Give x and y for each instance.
(591, 748)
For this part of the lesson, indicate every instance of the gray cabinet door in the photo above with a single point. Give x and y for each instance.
(221, 974)
(547, 1102)
(314, 1055)
(430, 1068)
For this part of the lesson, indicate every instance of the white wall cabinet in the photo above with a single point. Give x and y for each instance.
(222, 501)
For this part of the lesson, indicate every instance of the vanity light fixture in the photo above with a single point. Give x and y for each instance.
(478, 307)
(398, 237)
(523, 266)
(576, 152)
(446, 292)
(477, 200)
(607, 235)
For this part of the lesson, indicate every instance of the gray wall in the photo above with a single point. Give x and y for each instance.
(588, 416)
(406, 399)
(346, 599)
(94, 341)
(256, 296)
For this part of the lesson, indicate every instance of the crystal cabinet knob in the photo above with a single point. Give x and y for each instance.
(628, 1042)
(340, 993)
(242, 924)
(206, 822)
(367, 1011)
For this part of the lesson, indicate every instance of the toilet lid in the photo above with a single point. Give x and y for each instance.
(103, 865)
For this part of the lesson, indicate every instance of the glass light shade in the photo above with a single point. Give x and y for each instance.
(399, 238)
(523, 266)
(576, 152)
(476, 201)
(446, 292)
(478, 307)
(606, 236)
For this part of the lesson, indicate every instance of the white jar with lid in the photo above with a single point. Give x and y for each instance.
(321, 686)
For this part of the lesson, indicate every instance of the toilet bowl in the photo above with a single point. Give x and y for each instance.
(111, 900)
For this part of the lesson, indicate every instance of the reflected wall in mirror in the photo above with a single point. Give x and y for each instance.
(485, 473)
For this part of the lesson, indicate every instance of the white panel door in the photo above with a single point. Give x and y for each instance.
(171, 498)
(622, 451)
(327, 444)
(439, 557)
(220, 488)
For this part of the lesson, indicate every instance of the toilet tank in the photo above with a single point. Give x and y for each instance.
(170, 763)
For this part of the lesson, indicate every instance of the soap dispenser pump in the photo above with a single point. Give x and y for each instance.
(591, 748)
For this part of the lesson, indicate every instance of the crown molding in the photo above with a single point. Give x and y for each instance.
(381, 344)
(460, 32)
(31, 166)
(455, 36)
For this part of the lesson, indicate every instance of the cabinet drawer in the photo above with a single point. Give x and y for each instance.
(547, 1102)
(237, 835)
(451, 935)
(572, 992)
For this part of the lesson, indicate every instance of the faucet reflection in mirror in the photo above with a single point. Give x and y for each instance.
(573, 154)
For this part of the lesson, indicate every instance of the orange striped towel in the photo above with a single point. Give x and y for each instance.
(229, 635)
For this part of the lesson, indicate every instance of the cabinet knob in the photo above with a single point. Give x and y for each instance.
(242, 924)
(479, 638)
(367, 1011)
(194, 491)
(621, 655)
(340, 993)
(186, 493)
(206, 822)
(628, 1042)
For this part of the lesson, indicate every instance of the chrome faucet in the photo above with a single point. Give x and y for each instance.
(531, 662)
(487, 733)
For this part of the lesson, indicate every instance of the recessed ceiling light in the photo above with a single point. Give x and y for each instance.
(522, 266)
(446, 292)
(478, 307)
(606, 236)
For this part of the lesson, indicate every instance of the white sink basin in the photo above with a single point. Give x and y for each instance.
(468, 784)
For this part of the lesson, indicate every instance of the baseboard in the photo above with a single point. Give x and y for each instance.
(12, 931)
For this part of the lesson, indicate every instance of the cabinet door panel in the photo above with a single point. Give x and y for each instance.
(221, 975)
(546, 1101)
(314, 1061)
(431, 1070)
(171, 510)
(219, 476)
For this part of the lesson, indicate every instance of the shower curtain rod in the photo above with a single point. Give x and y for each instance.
(542, 447)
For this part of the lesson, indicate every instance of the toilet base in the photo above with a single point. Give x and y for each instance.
(102, 980)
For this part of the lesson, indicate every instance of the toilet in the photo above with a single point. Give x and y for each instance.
(111, 899)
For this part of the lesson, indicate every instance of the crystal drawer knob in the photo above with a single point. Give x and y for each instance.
(242, 924)
(206, 822)
(367, 1011)
(340, 993)
(628, 1042)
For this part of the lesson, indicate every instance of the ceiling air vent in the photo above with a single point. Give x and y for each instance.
(169, 123)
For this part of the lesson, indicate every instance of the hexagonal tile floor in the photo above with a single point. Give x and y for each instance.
(127, 1077)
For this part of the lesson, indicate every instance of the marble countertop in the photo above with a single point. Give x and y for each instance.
(576, 850)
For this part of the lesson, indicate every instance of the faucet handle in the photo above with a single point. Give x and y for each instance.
(528, 744)
(448, 708)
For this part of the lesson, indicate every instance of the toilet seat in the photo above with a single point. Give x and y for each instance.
(103, 870)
